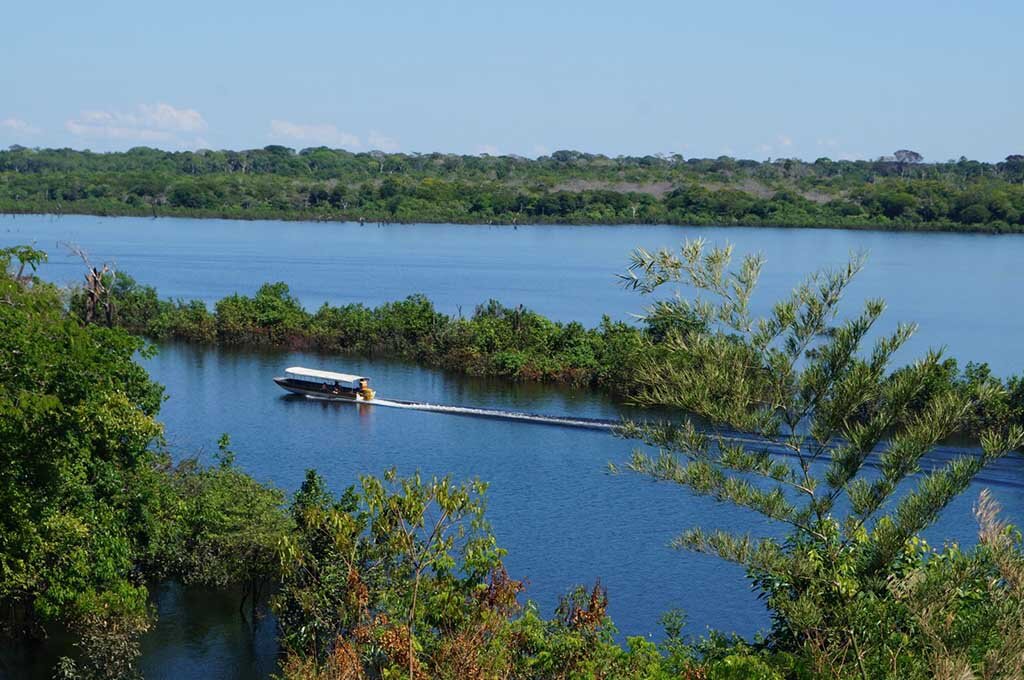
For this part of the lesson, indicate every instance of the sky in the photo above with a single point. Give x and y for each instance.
(702, 79)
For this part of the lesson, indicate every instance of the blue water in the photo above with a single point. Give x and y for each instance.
(563, 518)
(962, 289)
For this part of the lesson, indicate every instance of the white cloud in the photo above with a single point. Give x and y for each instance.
(379, 142)
(325, 134)
(147, 123)
(782, 142)
(488, 149)
(18, 126)
(165, 116)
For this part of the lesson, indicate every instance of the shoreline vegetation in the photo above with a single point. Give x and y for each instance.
(512, 343)
(493, 341)
(401, 577)
(897, 193)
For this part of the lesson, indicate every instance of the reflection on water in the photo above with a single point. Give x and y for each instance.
(200, 633)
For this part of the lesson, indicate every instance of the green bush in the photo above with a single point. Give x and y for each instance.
(495, 340)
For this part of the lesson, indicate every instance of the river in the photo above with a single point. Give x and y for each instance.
(563, 518)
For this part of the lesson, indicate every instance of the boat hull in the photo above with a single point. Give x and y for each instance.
(317, 392)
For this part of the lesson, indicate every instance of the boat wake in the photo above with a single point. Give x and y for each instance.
(1003, 472)
(539, 418)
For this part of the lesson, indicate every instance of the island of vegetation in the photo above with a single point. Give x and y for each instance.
(400, 576)
(900, 192)
(512, 343)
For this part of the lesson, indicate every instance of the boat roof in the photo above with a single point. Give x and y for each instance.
(323, 375)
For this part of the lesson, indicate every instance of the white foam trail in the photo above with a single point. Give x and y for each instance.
(496, 413)
(1000, 477)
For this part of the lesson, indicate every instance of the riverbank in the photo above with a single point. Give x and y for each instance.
(567, 187)
(60, 210)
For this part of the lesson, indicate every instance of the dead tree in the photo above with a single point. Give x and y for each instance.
(98, 299)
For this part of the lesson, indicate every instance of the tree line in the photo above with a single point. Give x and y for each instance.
(400, 576)
(898, 192)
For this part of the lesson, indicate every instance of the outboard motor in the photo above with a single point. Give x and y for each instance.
(364, 391)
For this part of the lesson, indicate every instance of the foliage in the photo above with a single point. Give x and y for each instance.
(402, 579)
(217, 526)
(898, 192)
(968, 608)
(389, 581)
(792, 410)
(26, 256)
(92, 507)
(495, 340)
(1005, 402)
(76, 424)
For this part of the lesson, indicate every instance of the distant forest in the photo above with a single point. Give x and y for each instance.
(901, 192)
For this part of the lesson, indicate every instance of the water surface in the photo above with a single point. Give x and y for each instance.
(961, 288)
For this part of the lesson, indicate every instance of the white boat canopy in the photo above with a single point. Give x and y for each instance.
(321, 376)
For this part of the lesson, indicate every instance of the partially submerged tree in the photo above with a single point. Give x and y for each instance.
(219, 527)
(792, 411)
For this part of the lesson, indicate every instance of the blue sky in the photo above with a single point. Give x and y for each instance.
(748, 79)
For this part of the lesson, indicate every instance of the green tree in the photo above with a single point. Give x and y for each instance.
(792, 409)
(92, 505)
(566, 187)
(402, 579)
(25, 256)
(225, 528)
(76, 427)
(389, 579)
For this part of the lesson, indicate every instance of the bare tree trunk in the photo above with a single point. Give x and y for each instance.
(96, 293)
